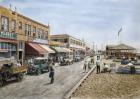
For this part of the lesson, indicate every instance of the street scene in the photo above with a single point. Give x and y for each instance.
(69, 49)
(39, 87)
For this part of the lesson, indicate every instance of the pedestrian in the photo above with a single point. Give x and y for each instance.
(85, 66)
(98, 65)
(51, 75)
(89, 65)
(132, 68)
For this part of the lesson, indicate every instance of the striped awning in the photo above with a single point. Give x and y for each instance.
(8, 40)
(49, 50)
(34, 49)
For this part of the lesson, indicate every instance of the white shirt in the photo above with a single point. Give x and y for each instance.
(18, 64)
(106, 66)
(130, 64)
(98, 62)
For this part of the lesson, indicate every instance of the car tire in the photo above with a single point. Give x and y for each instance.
(19, 77)
(38, 72)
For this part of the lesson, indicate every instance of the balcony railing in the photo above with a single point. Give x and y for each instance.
(8, 35)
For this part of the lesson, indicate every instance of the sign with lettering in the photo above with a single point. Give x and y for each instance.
(9, 35)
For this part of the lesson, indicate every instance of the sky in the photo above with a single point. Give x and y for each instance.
(95, 21)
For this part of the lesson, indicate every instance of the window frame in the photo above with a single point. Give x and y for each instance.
(7, 29)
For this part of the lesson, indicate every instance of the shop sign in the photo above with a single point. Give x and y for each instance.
(9, 35)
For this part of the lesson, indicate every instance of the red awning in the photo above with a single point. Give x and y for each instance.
(34, 49)
(8, 40)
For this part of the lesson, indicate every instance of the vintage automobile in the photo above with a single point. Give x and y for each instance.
(126, 69)
(9, 70)
(124, 61)
(66, 61)
(38, 66)
(77, 58)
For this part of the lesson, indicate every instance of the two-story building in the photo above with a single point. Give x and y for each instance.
(76, 45)
(21, 36)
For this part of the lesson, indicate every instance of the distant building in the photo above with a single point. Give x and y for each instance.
(120, 50)
(76, 45)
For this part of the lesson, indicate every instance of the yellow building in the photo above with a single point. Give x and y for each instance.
(17, 31)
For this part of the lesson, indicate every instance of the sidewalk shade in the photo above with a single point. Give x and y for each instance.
(62, 50)
(34, 49)
(49, 50)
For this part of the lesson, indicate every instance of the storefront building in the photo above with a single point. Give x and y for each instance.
(77, 46)
(22, 37)
(61, 51)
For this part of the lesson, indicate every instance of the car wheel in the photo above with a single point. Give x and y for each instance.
(19, 77)
(38, 71)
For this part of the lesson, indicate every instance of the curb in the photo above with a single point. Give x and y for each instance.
(69, 94)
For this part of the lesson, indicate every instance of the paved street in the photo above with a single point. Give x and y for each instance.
(38, 87)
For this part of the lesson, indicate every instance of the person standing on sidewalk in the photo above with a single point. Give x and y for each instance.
(85, 66)
(98, 63)
(132, 68)
(51, 75)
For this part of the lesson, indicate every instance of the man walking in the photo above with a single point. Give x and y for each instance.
(51, 75)
(85, 66)
(98, 65)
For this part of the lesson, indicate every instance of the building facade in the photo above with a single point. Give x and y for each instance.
(21, 36)
(119, 51)
(76, 45)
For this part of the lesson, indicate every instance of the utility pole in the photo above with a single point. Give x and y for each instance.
(93, 49)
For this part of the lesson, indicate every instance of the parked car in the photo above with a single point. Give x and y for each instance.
(11, 70)
(126, 70)
(66, 61)
(38, 66)
(124, 61)
(77, 58)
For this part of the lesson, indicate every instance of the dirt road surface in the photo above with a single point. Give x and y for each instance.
(109, 86)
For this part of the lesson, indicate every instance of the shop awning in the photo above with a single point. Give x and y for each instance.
(62, 49)
(67, 50)
(3, 50)
(49, 50)
(34, 49)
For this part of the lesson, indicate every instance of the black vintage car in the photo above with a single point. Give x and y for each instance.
(38, 66)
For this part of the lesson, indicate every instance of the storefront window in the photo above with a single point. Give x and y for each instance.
(4, 45)
(4, 24)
